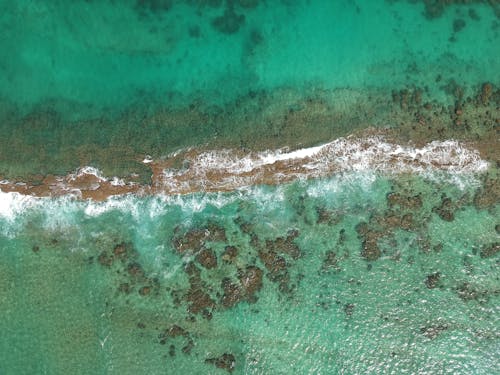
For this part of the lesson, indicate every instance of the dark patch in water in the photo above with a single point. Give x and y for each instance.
(432, 280)
(226, 361)
(229, 23)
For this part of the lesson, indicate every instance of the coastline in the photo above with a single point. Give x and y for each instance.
(288, 121)
(193, 170)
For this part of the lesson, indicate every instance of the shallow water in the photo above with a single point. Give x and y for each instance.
(424, 300)
(104, 83)
(373, 257)
(133, 51)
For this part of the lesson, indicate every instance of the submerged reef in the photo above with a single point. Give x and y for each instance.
(324, 259)
(258, 121)
(249, 187)
(437, 8)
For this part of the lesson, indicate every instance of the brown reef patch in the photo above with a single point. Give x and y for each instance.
(226, 361)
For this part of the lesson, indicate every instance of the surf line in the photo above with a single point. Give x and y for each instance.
(230, 169)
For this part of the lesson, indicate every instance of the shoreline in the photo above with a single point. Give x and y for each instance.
(199, 170)
(258, 122)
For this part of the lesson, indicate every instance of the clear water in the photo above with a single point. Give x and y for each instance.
(65, 310)
(354, 280)
(132, 53)
(101, 82)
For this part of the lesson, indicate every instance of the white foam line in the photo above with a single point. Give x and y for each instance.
(343, 154)
(11, 204)
(230, 170)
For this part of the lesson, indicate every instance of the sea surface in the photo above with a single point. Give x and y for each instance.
(249, 187)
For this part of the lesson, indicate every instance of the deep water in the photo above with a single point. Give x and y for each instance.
(355, 273)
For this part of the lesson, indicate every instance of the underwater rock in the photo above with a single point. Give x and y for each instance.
(195, 239)
(277, 268)
(207, 258)
(124, 288)
(186, 349)
(194, 32)
(486, 93)
(229, 23)
(145, 290)
(232, 293)
(370, 250)
(285, 245)
(171, 350)
(248, 4)
(274, 263)
(432, 280)
(369, 246)
(270, 254)
(230, 253)
(105, 259)
(174, 332)
(488, 194)
(120, 250)
(408, 202)
(205, 3)
(327, 217)
(445, 210)
(251, 281)
(490, 250)
(330, 261)
(432, 331)
(192, 240)
(225, 361)
(458, 25)
(154, 6)
(135, 270)
(473, 15)
(407, 221)
(198, 299)
(468, 292)
(349, 309)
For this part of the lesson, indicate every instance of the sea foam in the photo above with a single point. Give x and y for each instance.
(217, 178)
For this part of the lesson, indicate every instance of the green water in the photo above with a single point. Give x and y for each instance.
(325, 309)
(355, 273)
(103, 83)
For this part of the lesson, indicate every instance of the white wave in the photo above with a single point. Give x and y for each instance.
(124, 203)
(272, 157)
(345, 182)
(350, 154)
(147, 159)
(13, 204)
(87, 170)
(229, 169)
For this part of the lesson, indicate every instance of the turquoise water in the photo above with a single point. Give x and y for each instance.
(133, 52)
(111, 81)
(427, 304)
(354, 273)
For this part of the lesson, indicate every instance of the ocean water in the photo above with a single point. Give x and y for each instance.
(104, 83)
(249, 187)
(427, 304)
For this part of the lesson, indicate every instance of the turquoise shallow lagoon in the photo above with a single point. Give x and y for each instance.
(273, 278)
(107, 54)
(356, 272)
(104, 83)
